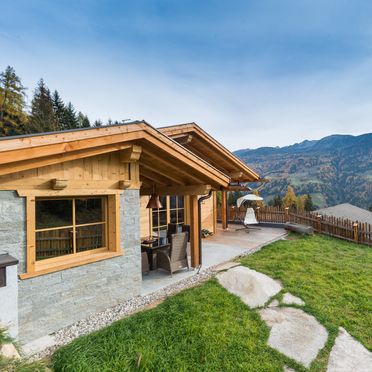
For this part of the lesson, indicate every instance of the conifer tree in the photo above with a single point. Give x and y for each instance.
(308, 205)
(71, 118)
(42, 118)
(12, 103)
(83, 120)
(59, 110)
(277, 201)
(290, 198)
(98, 123)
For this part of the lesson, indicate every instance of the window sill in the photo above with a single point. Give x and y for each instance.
(46, 267)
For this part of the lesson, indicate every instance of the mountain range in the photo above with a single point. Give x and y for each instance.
(335, 169)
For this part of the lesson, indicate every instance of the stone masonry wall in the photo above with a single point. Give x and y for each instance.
(50, 302)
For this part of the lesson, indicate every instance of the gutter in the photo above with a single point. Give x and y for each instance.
(200, 200)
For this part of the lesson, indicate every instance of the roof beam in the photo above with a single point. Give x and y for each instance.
(171, 166)
(178, 190)
(162, 173)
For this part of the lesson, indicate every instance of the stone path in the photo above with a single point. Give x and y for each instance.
(349, 355)
(293, 332)
(254, 288)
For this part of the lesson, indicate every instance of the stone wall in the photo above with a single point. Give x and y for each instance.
(50, 302)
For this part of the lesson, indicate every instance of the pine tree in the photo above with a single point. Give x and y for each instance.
(277, 201)
(98, 123)
(308, 205)
(290, 198)
(42, 118)
(59, 110)
(12, 103)
(71, 118)
(83, 120)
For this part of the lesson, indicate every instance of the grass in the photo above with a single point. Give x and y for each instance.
(208, 329)
(13, 365)
(200, 329)
(333, 277)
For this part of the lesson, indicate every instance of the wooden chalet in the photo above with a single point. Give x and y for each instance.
(73, 212)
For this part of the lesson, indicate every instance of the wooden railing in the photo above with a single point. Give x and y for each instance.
(358, 232)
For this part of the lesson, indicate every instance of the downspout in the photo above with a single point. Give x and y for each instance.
(200, 200)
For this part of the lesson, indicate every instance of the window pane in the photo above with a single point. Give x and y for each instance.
(53, 213)
(181, 216)
(163, 218)
(173, 202)
(180, 201)
(163, 232)
(89, 210)
(163, 201)
(155, 220)
(173, 216)
(53, 243)
(90, 237)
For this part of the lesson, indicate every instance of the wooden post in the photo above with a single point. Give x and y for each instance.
(356, 232)
(286, 214)
(194, 231)
(224, 210)
(319, 222)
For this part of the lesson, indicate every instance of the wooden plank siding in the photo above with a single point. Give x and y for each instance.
(97, 172)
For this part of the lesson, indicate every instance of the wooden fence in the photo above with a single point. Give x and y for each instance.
(355, 231)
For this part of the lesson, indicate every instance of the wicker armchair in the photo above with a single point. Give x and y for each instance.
(174, 258)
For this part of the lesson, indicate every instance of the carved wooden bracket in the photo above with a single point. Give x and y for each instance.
(131, 154)
(57, 184)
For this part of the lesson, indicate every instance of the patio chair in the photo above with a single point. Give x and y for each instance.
(249, 220)
(175, 257)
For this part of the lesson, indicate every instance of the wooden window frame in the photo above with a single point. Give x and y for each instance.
(168, 210)
(112, 236)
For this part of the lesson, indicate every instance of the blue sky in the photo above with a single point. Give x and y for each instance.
(252, 73)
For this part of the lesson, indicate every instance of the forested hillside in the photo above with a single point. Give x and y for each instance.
(334, 169)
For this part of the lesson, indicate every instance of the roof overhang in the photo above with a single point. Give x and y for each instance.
(195, 139)
(162, 158)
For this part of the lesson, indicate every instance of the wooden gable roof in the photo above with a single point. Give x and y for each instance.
(162, 160)
(199, 142)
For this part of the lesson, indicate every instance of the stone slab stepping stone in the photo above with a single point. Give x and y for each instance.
(289, 299)
(226, 265)
(253, 288)
(274, 303)
(287, 369)
(294, 333)
(349, 354)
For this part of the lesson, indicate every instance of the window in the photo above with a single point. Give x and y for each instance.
(173, 211)
(160, 219)
(69, 226)
(177, 212)
(65, 232)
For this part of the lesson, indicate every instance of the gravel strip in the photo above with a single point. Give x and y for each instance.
(131, 306)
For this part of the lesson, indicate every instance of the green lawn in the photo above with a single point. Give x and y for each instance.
(207, 329)
(200, 329)
(333, 277)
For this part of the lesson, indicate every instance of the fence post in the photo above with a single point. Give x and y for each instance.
(286, 214)
(319, 222)
(258, 214)
(356, 232)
